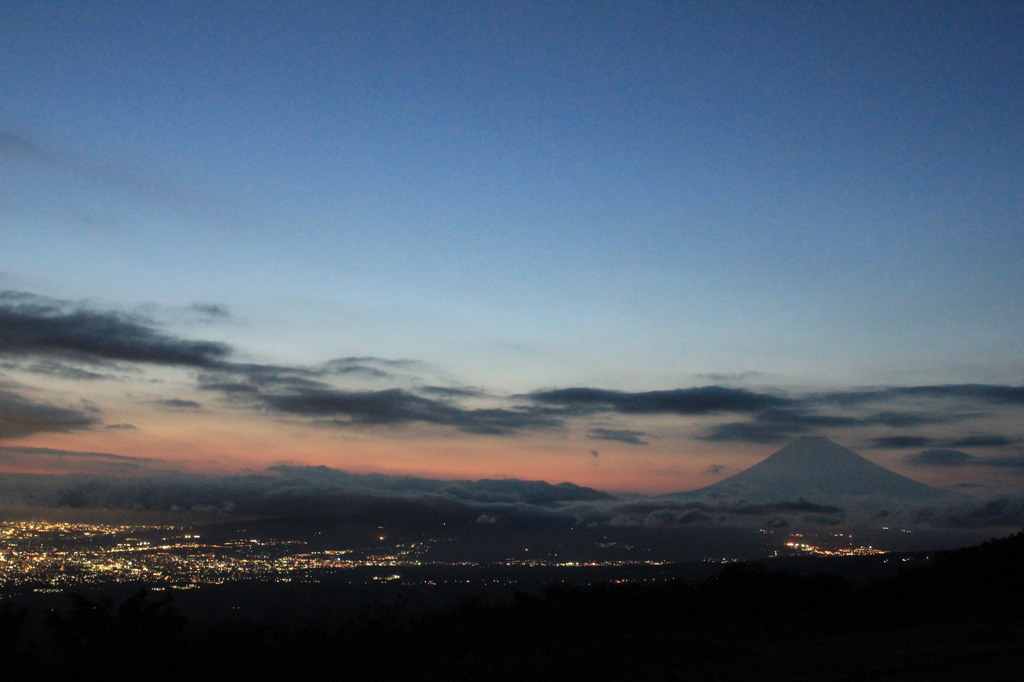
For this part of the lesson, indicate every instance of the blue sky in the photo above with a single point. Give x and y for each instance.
(784, 198)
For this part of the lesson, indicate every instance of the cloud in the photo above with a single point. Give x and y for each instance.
(942, 458)
(1010, 462)
(449, 392)
(178, 404)
(210, 311)
(12, 145)
(901, 442)
(956, 458)
(121, 427)
(681, 401)
(241, 379)
(806, 414)
(714, 469)
(1002, 512)
(36, 326)
(125, 178)
(20, 416)
(982, 440)
(903, 420)
(52, 459)
(372, 366)
(656, 512)
(747, 432)
(730, 377)
(68, 339)
(981, 393)
(305, 392)
(619, 435)
(978, 440)
(776, 425)
(397, 406)
(303, 491)
(56, 368)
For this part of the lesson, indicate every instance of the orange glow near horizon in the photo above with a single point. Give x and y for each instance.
(219, 448)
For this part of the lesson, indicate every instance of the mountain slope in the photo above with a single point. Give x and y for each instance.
(817, 469)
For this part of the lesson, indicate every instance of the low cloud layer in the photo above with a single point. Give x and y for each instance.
(51, 459)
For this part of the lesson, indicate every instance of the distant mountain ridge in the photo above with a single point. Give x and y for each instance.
(815, 468)
(482, 490)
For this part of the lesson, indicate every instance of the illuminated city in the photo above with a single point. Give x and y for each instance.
(45, 556)
(48, 556)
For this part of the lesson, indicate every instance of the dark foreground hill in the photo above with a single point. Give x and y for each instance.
(961, 617)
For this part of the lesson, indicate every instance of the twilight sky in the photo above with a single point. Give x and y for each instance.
(636, 246)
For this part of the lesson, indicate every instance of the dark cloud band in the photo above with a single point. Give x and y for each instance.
(37, 326)
(20, 416)
(681, 401)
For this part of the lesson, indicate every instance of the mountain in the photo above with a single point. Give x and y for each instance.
(508, 490)
(817, 469)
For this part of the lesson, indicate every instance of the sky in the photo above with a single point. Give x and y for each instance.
(635, 246)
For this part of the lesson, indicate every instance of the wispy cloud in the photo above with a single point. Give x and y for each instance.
(103, 462)
(178, 404)
(105, 173)
(730, 377)
(17, 146)
(619, 435)
(941, 457)
(902, 442)
(982, 440)
(975, 440)
(210, 311)
(979, 393)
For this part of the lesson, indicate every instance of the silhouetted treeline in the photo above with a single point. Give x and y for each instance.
(960, 617)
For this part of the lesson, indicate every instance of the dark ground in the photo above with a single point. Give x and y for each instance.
(959, 617)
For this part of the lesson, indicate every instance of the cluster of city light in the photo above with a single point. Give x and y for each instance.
(834, 551)
(64, 555)
(582, 564)
(52, 556)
